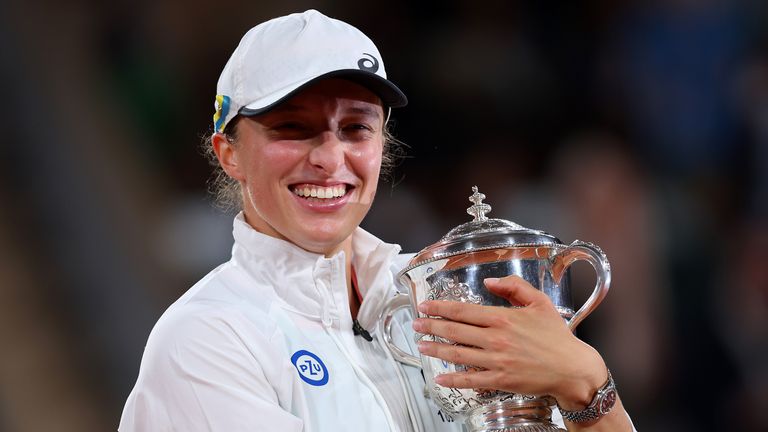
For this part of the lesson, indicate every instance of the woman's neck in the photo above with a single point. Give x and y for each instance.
(352, 290)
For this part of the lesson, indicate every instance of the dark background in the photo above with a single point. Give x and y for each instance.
(641, 126)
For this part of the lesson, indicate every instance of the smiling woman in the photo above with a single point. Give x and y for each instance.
(268, 340)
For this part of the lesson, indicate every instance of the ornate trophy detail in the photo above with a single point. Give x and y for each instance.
(479, 209)
(453, 269)
(452, 290)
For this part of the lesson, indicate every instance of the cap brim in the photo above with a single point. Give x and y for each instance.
(391, 96)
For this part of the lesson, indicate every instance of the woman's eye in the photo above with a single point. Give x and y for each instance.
(290, 126)
(291, 130)
(355, 127)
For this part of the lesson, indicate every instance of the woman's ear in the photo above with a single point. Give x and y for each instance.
(226, 153)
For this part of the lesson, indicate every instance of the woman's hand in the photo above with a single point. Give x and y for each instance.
(527, 350)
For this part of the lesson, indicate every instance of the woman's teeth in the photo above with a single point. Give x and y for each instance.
(320, 192)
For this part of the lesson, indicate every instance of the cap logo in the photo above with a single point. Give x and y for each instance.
(222, 109)
(368, 64)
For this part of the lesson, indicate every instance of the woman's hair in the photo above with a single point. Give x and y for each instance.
(227, 192)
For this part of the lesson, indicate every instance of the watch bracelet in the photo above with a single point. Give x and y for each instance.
(585, 415)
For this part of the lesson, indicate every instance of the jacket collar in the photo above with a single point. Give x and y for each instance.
(312, 284)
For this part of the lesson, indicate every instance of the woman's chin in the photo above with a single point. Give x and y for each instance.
(324, 243)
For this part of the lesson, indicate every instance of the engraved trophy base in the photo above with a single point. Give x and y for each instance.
(532, 415)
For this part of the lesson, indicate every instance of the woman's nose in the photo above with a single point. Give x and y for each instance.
(328, 154)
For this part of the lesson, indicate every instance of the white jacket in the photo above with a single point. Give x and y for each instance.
(265, 342)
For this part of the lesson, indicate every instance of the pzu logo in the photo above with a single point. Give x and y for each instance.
(311, 369)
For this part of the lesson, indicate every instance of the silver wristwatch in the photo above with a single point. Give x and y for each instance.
(601, 404)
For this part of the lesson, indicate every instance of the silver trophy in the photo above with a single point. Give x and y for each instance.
(454, 269)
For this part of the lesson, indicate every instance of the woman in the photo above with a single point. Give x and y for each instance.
(279, 337)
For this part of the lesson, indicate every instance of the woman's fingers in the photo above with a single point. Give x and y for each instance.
(456, 311)
(472, 324)
(515, 290)
(453, 331)
(456, 354)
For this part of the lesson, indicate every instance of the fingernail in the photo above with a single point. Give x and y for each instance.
(440, 379)
(421, 346)
(418, 325)
(422, 308)
(491, 280)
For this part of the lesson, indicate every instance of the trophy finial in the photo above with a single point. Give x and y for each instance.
(479, 209)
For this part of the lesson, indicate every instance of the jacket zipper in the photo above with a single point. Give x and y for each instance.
(366, 380)
(328, 325)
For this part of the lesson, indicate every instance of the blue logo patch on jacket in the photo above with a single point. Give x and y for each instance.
(311, 369)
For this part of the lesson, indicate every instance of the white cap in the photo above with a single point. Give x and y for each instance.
(277, 58)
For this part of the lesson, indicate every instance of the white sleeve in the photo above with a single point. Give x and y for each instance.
(198, 374)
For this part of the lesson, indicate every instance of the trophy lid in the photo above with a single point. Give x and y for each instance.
(482, 233)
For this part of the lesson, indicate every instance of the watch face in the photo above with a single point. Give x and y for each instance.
(607, 401)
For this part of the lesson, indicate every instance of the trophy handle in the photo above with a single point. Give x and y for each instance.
(399, 301)
(584, 251)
